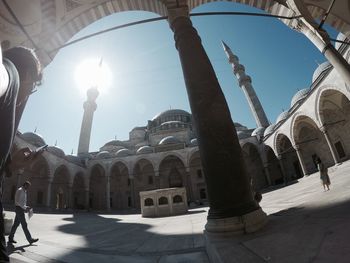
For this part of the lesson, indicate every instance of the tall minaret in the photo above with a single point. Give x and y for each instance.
(89, 107)
(245, 82)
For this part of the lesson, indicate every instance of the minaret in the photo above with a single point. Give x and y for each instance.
(245, 82)
(85, 132)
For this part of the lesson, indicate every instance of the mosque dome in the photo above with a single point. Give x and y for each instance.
(170, 114)
(301, 94)
(56, 151)
(340, 37)
(169, 140)
(104, 155)
(239, 127)
(269, 130)
(144, 149)
(33, 138)
(123, 153)
(115, 143)
(172, 125)
(73, 159)
(258, 132)
(194, 142)
(320, 69)
(284, 115)
(242, 135)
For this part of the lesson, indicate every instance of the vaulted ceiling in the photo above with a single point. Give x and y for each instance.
(51, 23)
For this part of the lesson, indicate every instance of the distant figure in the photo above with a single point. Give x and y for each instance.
(21, 208)
(323, 174)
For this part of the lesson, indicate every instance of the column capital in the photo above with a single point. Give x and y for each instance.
(177, 12)
(296, 147)
(323, 129)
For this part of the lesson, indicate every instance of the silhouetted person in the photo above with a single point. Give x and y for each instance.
(323, 174)
(19, 72)
(21, 208)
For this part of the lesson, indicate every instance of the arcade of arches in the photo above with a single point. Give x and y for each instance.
(312, 133)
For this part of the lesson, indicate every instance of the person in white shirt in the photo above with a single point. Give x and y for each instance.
(21, 208)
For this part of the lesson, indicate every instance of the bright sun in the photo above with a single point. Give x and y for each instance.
(93, 73)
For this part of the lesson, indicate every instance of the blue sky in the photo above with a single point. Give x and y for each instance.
(147, 76)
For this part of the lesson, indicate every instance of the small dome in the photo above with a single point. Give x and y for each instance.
(73, 159)
(284, 115)
(169, 140)
(33, 138)
(103, 155)
(301, 94)
(123, 153)
(85, 155)
(194, 142)
(258, 132)
(144, 149)
(269, 130)
(242, 135)
(115, 143)
(340, 37)
(239, 127)
(320, 69)
(56, 151)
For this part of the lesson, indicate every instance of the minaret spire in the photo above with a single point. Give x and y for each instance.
(89, 108)
(245, 82)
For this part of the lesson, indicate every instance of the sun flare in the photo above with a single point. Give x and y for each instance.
(93, 73)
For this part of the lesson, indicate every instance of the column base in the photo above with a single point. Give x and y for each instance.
(247, 223)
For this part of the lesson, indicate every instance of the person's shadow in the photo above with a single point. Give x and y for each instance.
(13, 249)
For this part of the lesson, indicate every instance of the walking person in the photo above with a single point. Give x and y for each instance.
(323, 174)
(21, 208)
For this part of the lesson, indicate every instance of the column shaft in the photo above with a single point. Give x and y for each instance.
(87, 199)
(301, 161)
(108, 194)
(331, 147)
(228, 187)
(48, 197)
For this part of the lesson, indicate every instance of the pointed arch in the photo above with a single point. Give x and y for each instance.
(311, 142)
(197, 185)
(60, 188)
(97, 187)
(121, 186)
(254, 165)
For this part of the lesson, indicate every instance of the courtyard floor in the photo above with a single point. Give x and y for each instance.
(305, 224)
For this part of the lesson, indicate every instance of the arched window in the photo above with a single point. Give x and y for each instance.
(177, 199)
(163, 201)
(149, 202)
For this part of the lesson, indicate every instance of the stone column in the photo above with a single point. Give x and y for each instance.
(232, 207)
(280, 161)
(189, 184)
(48, 197)
(70, 196)
(108, 193)
(267, 173)
(330, 145)
(319, 37)
(133, 193)
(87, 199)
(329, 51)
(301, 161)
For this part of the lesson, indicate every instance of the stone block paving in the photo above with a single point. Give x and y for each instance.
(306, 224)
(89, 237)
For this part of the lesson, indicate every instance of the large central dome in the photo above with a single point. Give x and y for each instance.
(171, 114)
